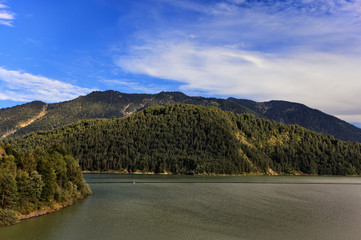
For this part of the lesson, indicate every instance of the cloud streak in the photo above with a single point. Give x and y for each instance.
(322, 80)
(6, 16)
(23, 87)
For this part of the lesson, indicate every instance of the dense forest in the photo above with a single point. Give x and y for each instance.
(37, 180)
(189, 139)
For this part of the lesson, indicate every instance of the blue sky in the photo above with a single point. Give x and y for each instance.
(304, 51)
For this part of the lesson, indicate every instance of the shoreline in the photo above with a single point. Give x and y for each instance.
(48, 209)
(44, 211)
(213, 174)
(169, 173)
(199, 174)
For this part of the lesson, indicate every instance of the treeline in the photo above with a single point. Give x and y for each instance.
(189, 139)
(30, 181)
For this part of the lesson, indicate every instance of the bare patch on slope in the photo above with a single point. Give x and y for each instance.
(26, 123)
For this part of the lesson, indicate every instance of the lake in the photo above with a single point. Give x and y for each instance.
(200, 207)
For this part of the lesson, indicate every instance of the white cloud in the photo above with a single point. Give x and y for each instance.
(22, 87)
(323, 80)
(7, 23)
(6, 16)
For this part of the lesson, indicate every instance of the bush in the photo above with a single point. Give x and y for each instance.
(8, 217)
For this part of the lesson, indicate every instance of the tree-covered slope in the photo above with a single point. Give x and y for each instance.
(295, 113)
(32, 182)
(193, 139)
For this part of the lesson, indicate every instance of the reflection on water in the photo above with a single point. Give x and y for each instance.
(198, 207)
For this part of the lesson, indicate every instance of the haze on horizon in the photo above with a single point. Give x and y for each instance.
(306, 51)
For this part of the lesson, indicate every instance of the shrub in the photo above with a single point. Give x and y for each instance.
(8, 217)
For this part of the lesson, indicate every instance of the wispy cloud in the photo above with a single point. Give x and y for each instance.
(22, 87)
(323, 80)
(274, 25)
(6, 16)
(306, 51)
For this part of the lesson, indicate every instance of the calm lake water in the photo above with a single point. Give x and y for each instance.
(195, 207)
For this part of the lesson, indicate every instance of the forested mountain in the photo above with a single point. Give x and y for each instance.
(113, 104)
(296, 113)
(35, 181)
(192, 139)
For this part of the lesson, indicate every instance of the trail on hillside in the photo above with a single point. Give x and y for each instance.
(26, 123)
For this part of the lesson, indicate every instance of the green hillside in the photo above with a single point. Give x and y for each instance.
(191, 139)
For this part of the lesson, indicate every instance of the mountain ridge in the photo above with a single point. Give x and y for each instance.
(114, 104)
(297, 113)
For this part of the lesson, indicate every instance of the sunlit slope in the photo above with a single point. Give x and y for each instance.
(15, 118)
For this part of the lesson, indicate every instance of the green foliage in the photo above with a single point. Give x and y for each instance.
(8, 217)
(29, 181)
(8, 189)
(189, 139)
(46, 167)
(2, 152)
(29, 188)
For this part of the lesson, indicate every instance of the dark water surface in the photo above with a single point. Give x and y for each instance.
(195, 207)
